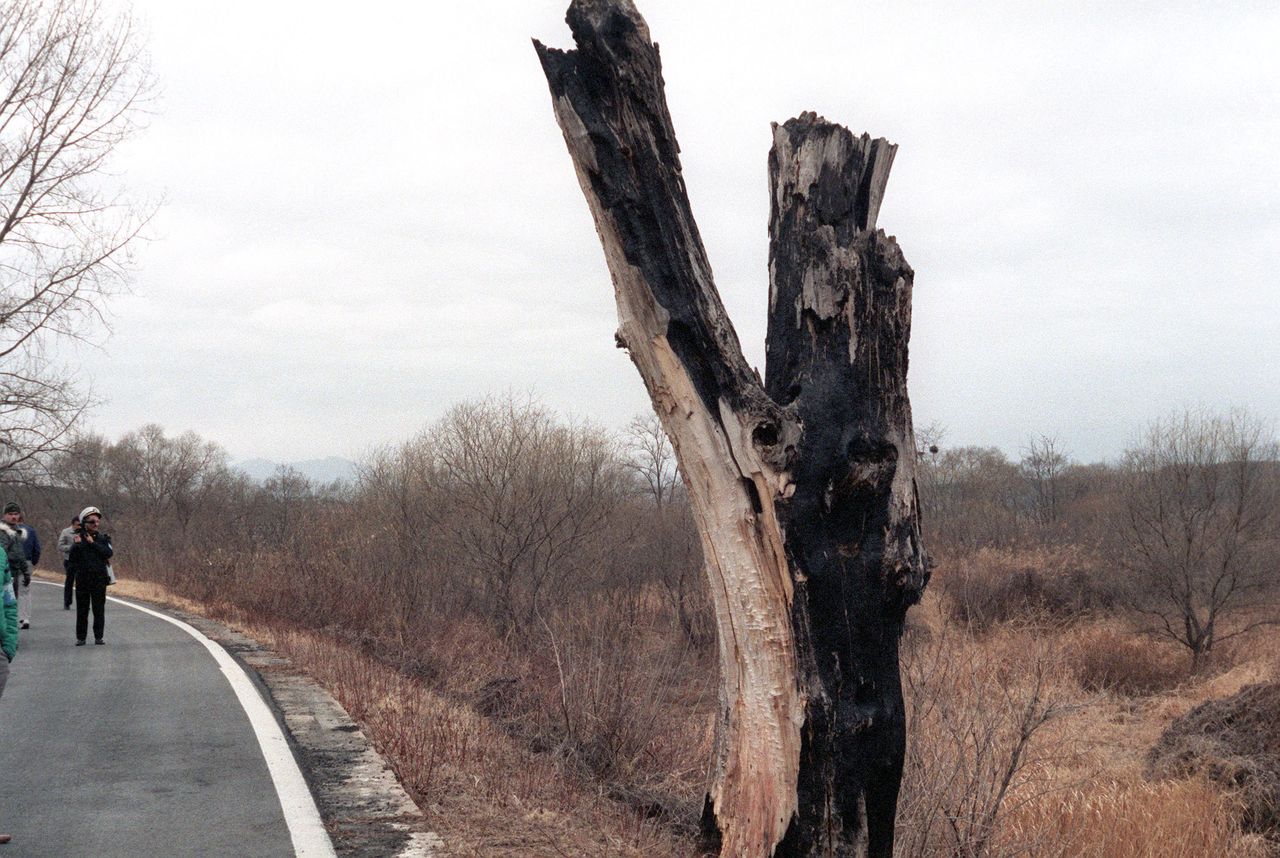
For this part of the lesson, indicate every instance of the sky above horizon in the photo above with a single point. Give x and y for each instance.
(369, 217)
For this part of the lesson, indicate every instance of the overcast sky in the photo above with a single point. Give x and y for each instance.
(370, 213)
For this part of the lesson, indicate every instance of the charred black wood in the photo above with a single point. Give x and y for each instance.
(839, 324)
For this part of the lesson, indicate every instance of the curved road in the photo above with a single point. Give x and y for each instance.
(141, 747)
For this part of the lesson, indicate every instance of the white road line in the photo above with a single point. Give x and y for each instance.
(306, 829)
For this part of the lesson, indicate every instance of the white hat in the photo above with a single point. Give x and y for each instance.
(88, 511)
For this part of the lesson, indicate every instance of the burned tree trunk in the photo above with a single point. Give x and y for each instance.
(804, 490)
(839, 321)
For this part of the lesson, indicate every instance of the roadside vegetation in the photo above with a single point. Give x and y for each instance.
(512, 606)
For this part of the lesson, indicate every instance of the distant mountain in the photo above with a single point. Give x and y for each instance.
(325, 470)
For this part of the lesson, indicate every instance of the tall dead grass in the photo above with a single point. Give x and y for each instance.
(992, 586)
(1130, 818)
(1014, 749)
(979, 742)
(485, 791)
(1106, 657)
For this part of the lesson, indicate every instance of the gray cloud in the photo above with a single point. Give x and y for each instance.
(371, 214)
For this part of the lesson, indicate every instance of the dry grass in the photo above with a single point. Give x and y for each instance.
(1108, 657)
(1131, 818)
(484, 792)
(1234, 742)
(991, 586)
(1079, 788)
(982, 713)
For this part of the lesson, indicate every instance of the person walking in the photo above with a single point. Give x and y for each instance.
(90, 553)
(8, 630)
(31, 547)
(11, 542)
(65, 540)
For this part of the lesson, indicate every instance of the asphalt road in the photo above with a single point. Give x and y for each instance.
(136, 748)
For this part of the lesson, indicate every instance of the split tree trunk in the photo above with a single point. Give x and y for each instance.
(803, 489)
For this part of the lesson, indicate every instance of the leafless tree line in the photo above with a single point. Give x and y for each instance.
(1185, 528)
(504, 511)
(978, 497)
(500, 509)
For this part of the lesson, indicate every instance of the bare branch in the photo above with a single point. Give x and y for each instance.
(73, 83)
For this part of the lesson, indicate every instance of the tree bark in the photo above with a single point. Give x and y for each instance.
(804, 490)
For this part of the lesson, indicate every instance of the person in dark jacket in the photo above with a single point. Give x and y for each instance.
(31, 545)
(90, 554)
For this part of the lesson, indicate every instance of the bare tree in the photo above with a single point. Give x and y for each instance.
(87, 466)
(287, 495)
(970, 496)
(160, 476)
(1200, 494)
(665, 532)
(396, 487)
(802, 484)
(524, 497)
(649, 456)
(176, 496)
(73, 84)
(1044, 464)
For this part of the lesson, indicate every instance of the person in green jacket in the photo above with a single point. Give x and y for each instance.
(8, 630)
(8, 620)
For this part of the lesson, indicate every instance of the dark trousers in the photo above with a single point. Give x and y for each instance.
(69, 587)
(90, 596)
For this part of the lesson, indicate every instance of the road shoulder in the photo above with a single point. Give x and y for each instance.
(365, 810)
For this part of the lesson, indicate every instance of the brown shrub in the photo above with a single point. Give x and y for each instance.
(485, 791)
(978, 740)
(1234, 742)
(995, 586)
(623, 704)
(1104, 658)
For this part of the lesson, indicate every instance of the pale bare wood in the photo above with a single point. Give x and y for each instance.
(761, 708)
